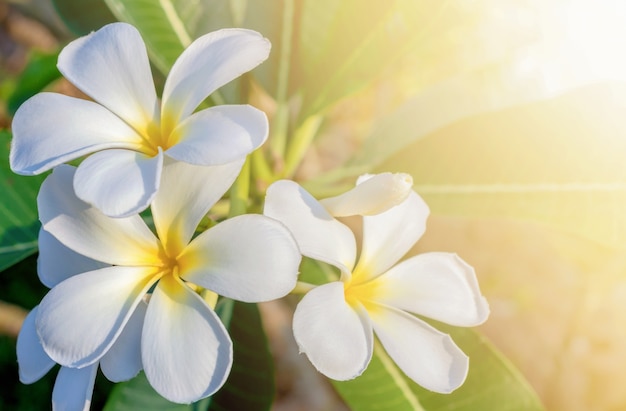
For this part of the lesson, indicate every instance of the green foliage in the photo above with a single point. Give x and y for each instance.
(492, 383)
(39, 73)
(83, 16)
(250, 385)
(573, 180)
(19, 223)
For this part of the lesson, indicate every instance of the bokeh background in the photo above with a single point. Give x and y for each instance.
(509, 114)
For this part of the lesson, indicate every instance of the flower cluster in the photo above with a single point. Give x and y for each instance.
(126, 296)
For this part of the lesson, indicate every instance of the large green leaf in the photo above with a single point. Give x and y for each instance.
(492, 383)
(19, 224)
(250, 385)
(138, 395)
(83, 16)
(40, 71)
(559, 162)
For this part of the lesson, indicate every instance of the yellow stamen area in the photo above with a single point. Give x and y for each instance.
(157, 133)
(363, 293)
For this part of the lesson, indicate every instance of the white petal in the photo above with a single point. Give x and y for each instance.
(50, 129)
(390, 235)
(118, 182)
(84, 229)
(317, 233)
(111, 66)
(372, 195)
(219, 135)
(427, 356)
(73, 388)
(56, 262)
(33, 361)
(186, 351)
(440, 286)
(207, 64)
(249, 258)
(123, 360)
(337, 338)
(80, 318)
(186, 193)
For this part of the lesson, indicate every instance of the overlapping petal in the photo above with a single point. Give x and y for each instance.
(426, 355)
(50, 129)
(178, 208)
(33, 361)
(56, 262)
(249, 258)
(79, 319)
(390, 235)
(186, 351)
(73, 388)
(317, 233)
(123, 360)
(84, 229)
(207, 64)
(111, 66)
(219, 135)
(336, 337)
(119, 183)
(437, 285)
(372, 195)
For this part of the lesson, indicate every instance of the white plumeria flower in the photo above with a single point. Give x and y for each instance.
(334, 323)
(127, 131)
(186, 352)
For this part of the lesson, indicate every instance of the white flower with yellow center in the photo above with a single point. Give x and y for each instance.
(125, 129)
(334, 323)
(185, 350)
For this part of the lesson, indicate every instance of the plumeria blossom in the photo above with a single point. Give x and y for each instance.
(126, 132)
(185, 351)
(334, 323)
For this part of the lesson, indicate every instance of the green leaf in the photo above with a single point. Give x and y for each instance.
(558, 162)
(19, 222)
(381, 387)
(250, 385)
(83, 16)
(493, 384)
(39, 73)
(341, 54)
(137, 394)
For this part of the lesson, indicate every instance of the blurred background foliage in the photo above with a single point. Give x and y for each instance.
(507, 113)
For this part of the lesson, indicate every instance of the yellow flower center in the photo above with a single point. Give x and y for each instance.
(362, 293)
(157, 133)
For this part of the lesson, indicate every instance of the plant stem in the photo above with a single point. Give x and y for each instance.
(301, 141)
(278, 142)
(240, 191)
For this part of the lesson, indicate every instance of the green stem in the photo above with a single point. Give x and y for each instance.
(261, 168)
(240, 191)
(278, 142)
(299, 144)
(302, 288)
